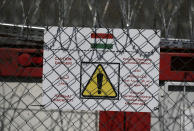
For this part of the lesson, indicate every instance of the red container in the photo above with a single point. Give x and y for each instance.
(124, 121)
(176, 66)
(21, 62)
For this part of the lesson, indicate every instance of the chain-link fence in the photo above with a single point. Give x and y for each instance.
(63, 61)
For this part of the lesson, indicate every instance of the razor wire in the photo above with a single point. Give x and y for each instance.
(21, 98)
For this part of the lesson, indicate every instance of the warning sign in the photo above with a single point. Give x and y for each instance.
(99, 86)
(101, 69)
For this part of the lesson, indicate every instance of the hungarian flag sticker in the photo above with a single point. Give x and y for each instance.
(102, 41)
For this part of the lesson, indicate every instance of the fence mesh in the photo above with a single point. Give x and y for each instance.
(32, 97)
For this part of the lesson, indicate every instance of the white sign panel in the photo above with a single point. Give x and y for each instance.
(101, 69)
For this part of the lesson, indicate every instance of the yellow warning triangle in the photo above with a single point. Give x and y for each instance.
(99, 85)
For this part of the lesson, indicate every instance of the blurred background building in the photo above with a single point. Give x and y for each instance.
(174, 17)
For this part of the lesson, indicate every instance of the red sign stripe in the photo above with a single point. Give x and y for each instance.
(102, 35)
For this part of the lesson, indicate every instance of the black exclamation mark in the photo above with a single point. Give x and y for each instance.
(99, 82)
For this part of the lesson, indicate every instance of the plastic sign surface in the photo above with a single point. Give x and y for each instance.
(101, 69)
